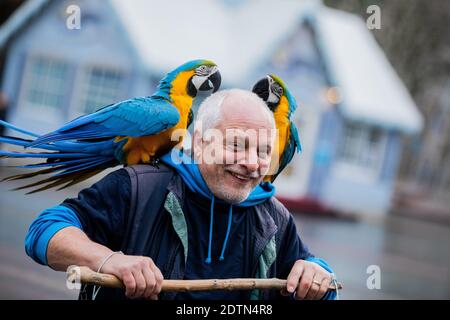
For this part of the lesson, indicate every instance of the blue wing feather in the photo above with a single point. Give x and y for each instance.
(295, 136)
(134, 117)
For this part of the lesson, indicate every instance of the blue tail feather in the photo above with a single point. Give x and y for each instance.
(103, 147)
(56, 163)
(15, 128)
(43, 155)
(15, 141)
(82, 166)
(54, 137)
(68, 162)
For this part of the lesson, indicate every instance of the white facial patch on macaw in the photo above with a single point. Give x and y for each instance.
(197, 81)
(202, 74)
(273, 98)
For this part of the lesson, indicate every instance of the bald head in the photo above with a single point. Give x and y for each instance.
(232, 103)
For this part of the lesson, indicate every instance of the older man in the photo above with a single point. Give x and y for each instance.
(208, 218)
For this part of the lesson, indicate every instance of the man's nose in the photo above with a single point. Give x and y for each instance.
(251, 162)
(251, 167)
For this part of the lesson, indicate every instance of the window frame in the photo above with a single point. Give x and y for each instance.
(40, 111)
(356, 164)
(82, 85)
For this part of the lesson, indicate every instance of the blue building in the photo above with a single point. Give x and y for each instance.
(353, 108)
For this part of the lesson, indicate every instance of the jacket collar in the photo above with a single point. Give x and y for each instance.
(264, 226)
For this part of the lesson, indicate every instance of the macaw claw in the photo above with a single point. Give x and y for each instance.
(155, 162)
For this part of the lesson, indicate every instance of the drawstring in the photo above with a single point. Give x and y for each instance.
(211, 223)
(230, 218)
(211, 219)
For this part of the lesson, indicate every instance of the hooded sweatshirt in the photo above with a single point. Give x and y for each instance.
(189, 171)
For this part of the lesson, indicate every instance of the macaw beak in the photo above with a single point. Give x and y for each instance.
(261, 88)
(212, 82)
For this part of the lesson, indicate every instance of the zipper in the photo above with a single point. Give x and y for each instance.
(255, 267)
(169, 265)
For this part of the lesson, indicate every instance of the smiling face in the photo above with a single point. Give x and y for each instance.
(244, 143)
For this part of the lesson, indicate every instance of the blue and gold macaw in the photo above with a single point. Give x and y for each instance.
(133, 131)
(281, 102)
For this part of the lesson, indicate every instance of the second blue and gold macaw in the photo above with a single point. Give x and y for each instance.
(133, 131)
(283, 105)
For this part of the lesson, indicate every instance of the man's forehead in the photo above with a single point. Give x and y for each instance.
(246, 118)
(251, 136)
(248, 132)
(244, 112)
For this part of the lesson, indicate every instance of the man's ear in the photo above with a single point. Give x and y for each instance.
(197, 141)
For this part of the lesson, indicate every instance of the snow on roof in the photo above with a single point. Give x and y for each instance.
(371, 90)
(234, 34)
(239, 34)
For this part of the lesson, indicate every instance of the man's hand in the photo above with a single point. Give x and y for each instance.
(140, 275)
(308, 280)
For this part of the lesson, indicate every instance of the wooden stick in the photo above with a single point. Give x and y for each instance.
(87, 276)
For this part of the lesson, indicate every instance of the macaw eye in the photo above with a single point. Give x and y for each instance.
(277, 89)
(202, 70)
(280, 91)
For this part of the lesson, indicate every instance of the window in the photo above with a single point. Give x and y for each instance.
(362, 145)
(46, 84)
(102, 87)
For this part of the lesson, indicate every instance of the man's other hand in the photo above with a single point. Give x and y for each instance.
(307, 280)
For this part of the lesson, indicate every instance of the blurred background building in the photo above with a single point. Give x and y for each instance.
(373, 116)
(353, 107)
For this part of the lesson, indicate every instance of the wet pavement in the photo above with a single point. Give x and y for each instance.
(413, 256)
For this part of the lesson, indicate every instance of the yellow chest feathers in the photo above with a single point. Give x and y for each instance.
(143, 149)
(181, 100)
(283, 125)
